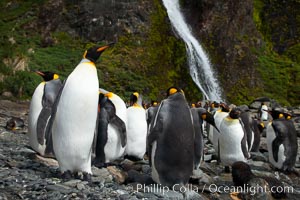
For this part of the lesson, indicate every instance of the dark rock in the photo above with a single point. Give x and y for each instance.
(60, 188)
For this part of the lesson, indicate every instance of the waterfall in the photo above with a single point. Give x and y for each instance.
(199, 65)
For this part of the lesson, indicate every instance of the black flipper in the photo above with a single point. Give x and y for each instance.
(51, 91)
(101, 136)
(119, 124)
(42, 121)
(244, 143)
(275, 148)
(156, 128)
(49, 146)
(279, 132)
(113, 119)
(48, 128)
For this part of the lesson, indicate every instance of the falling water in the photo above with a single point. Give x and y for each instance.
(200, 69)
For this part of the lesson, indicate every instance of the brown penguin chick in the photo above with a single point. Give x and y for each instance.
(241, 173)
(242, 176)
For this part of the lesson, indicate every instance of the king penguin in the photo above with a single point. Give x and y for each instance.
(76, 115)
(282, 142)
(218, 115)
(40, 110)
(199, 115)
(111, 137)
(252, 127)
(232, 140)
(136, 128)
(171, 141)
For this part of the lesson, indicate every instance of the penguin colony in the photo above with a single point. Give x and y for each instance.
(82, 125)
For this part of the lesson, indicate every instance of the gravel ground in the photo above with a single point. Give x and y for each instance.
(25, 175)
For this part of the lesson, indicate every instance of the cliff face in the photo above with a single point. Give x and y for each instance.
(229, 34)
(253, 45)
(97, 20)
(246, 41)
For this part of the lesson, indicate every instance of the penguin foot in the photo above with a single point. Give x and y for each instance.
(227, 169)
(99, 164)
(87, 176)
(77, 175)
(67, 175)
(132, 158)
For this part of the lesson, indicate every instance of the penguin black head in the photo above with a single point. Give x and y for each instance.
(133, 98)
(235, 113)
(47, 76)
(215, 105)
(154, 103)
(198, 104)
(95, 52)
(277, 113)
(207, 116)
(224, 107)
(173, 90)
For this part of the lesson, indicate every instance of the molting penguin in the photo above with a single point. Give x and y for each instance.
(76, 115)
(111, 130)
(171, 140)
(282, 142)
(136, 128)
(233, 139)
(40, 110)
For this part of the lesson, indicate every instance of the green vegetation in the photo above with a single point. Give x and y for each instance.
(279, 69)
(151, 62)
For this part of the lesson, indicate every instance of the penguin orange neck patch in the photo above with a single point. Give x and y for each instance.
(136, 105)
(109, 95)
(90, 63)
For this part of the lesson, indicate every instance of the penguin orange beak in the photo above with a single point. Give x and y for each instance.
(40, 73)
(104, 47)
(208, 117)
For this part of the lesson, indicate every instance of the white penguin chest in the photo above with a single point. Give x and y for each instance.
(79, 100)
(231, 136)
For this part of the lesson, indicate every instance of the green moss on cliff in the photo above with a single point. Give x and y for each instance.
(279, 59)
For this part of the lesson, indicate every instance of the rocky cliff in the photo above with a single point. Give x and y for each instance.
(236, 34)
(98, 20)
(252, 54)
